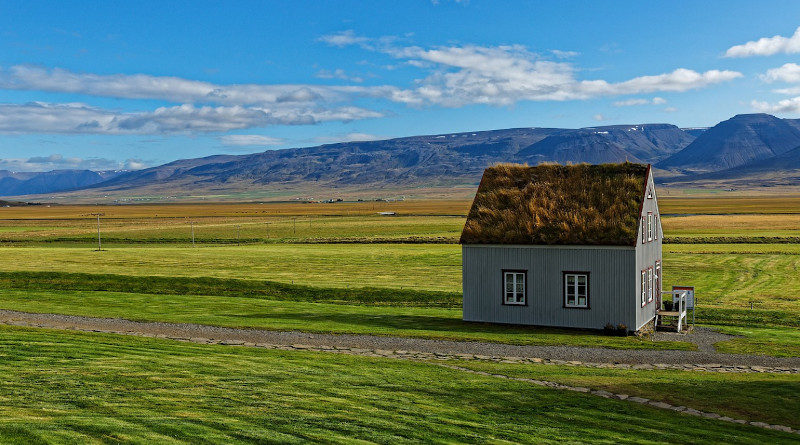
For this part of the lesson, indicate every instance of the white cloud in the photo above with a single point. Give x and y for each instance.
(783, 106)
(455, 76)
(175, 89)
(564, 54)
(599, 117)
(670, 109)
(767, 46)
(349, 137)
(640, 101)
(344, 38)
(338, 74)
(504, 75)
(631, 102)
(58, 162)
(787, 91)
(788, 72)
(40, 117)
(250, 139)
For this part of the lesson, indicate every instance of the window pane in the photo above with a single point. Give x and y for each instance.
(581, 279)
(509, 297)
(582, 301)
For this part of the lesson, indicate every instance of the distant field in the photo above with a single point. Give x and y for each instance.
(72, 387)
(740, 220)
(416, 207)
(720, 204)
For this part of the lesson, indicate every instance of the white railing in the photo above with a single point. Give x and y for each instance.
(679, 298)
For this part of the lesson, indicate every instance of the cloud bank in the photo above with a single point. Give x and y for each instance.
(59, 162)
(451, 76)
(767, 46)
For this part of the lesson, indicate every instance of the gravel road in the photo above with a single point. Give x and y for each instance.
(204, 333)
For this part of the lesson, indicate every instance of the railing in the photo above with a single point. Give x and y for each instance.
(679, 298)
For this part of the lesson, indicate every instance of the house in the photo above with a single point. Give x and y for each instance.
(575, 246)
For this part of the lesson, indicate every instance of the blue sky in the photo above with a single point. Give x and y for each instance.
(114, 84)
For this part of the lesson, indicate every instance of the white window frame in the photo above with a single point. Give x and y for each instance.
(518, 297)
(655, 226)
(657, 280)
(644, 230)
(649, 226)
(650, 286)
(574, 290)
(643, 294)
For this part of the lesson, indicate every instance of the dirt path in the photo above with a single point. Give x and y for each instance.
(402, 347)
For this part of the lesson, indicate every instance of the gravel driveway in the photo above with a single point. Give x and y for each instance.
(204, 333)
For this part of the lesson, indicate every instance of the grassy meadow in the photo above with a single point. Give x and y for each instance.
(68, 387)
(324, 251)
(342, 268)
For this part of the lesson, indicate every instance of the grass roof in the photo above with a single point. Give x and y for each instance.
(579, 204)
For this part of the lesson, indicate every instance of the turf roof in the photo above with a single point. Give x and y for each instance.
(579, 204)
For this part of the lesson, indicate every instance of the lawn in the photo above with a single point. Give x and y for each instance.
(727, 277)
(770, 398)
(80, 387)
(776, 341)
(252, 312)
(407, 266)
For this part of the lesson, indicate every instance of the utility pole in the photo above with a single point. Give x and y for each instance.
(192, 233)
(294, 226)
(268, 230)
(99, 244)
(238, 227)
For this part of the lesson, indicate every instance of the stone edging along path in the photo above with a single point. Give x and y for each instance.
(642, 400)
(182, 332)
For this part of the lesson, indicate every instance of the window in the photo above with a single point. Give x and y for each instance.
(644, 287)
(650, 285)
(576, 289)
(655, 227)
(658, 281)
(644, 231)
(649, 193)
(649, 226)
(514, 287)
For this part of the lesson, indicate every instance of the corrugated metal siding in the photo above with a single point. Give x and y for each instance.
(612, 291)
(646, 256)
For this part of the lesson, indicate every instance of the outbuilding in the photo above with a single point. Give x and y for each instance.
(575, 246)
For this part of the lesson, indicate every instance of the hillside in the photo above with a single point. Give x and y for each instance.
(418, 161)
(750, 150)
(737, 141)
(637, 143)
(28, 183)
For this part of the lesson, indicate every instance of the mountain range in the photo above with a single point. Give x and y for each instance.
(746, 150)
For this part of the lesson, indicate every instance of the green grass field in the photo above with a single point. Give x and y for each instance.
(728, 279)
(262, 313)
(726, 276)
(79, 388)
(762, 397)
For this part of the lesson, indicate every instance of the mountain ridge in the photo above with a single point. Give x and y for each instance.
(731, 149)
